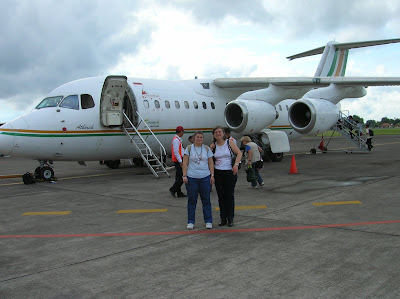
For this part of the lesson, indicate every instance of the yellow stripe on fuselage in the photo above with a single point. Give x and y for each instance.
(98, 131)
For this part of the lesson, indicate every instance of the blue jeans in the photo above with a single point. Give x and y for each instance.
(257, 173)
(194, 187)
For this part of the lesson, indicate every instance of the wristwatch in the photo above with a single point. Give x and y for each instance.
(237, 164)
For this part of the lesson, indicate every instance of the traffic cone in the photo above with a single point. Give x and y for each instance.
(321, 145)
(293, 167)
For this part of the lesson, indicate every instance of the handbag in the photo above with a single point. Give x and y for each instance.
(233, 157)
(259, 164)
(251, 176)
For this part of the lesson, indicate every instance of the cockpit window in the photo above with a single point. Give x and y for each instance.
(87, 101)
(49, 102)
(70, 102)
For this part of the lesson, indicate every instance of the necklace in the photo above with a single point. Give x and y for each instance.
(199, 156)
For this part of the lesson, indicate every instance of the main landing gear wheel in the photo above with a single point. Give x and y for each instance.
(114, 164)
(276, 157)
(45, 173)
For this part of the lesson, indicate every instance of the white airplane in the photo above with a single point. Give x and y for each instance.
(115, 117)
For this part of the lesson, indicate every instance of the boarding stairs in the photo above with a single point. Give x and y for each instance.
(352, 132)
(153, 161)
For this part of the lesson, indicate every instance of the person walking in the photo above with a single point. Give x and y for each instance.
(369, 134)
(177, 154)
(228, 135)
(198, 176)
(253, 159)
(226, 168)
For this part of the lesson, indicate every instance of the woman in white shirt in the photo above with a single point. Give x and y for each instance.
(198, 175)
(225, 174)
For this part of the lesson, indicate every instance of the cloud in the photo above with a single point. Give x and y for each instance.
(46, 43)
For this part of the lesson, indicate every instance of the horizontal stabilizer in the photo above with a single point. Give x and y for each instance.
(345, 46)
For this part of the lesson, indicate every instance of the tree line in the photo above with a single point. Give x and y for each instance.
(374, 123)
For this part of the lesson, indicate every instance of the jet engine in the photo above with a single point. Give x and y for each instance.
(249, 116)
(312, 116)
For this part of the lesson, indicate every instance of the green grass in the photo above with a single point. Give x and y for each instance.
(377, 132)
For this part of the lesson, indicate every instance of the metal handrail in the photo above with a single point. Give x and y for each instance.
(162, 149)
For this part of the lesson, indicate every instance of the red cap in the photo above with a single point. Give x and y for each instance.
(179, 129)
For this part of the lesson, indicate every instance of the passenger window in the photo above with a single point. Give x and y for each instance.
(70, 102)
(204, 105)
(146, 104)
(177, 105)
(167, 105)
(186, 104)
(86, 101)
(212, 105)
(280, 107)
(157, 104)
(196, 106)
(287, 108)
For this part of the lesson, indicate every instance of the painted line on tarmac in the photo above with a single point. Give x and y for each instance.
(47, 213)
(10, 176)
(142, 211)
(331, 203)
(208, 231)
(247, 207)
(70, 178)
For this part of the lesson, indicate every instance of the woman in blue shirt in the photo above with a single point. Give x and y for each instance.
(198, 175)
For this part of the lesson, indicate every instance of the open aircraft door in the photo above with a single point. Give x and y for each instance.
(112, 101)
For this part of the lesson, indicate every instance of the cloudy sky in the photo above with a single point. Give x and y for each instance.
(46, 43)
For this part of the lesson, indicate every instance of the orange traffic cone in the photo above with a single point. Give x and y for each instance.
(321, 145)
(293, 167)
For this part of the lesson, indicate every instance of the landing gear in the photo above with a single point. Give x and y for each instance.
(276, 157)
(44, 172)
(114, 164)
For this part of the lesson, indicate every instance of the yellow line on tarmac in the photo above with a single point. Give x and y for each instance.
(142, 211)
(47, 213)
(248, 207)
(331, 203)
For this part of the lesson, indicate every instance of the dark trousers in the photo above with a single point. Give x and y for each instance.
(225, 183)
(369, 143)
(176, 187)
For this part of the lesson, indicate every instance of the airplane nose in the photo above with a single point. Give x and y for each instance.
(6, 140)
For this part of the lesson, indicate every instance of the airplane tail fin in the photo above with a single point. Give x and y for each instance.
(334, 56)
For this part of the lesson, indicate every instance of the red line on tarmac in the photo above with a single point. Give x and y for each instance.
(239, 230)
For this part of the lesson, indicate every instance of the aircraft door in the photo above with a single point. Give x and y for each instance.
(112, 101)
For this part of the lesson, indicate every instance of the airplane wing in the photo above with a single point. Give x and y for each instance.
(307, 82)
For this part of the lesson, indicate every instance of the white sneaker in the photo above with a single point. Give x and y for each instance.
(190, 226)
(208, 225)
(262, 184)
(254, 187)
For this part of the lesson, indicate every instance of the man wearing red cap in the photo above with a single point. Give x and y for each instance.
(177, 154)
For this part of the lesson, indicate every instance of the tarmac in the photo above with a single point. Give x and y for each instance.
(330, 231)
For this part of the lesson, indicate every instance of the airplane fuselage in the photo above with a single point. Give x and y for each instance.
(75, 132)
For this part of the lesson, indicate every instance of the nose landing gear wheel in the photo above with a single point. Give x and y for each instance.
(45, 173)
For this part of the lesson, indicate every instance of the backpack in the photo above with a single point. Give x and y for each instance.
(233, 155)
(371, 133)
(28, 178)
